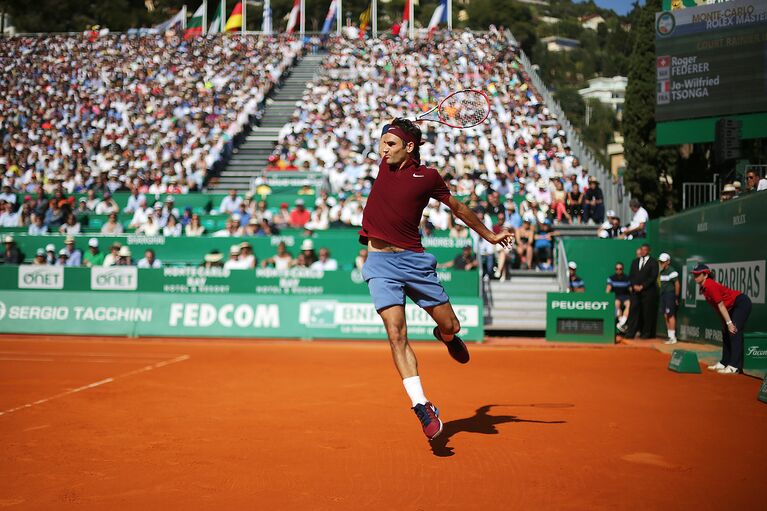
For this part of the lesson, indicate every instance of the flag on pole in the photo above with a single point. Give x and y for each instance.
(365, 21)
(331, 16)
(215, 27)
(401, 29)
(194, 26)
(266, 25)
(293, 19)
(178, 19)
(235, 19)
(439, 16)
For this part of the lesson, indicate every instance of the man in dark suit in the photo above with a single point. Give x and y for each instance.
(644, 295)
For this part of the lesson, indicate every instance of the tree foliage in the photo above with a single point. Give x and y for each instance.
(645, 161)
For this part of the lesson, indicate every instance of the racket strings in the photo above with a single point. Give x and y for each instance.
(465, 108)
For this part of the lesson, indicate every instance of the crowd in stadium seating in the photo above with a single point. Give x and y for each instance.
(127, 112)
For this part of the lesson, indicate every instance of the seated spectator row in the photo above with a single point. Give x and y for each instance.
(120, 112)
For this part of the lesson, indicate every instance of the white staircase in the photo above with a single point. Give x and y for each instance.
(518, 304)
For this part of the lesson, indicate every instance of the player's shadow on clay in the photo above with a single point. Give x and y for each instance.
(481, 422)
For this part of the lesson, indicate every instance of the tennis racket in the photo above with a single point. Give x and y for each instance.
(462, 109)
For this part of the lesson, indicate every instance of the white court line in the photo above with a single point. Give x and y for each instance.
(92, 354)
(144, 369)
(26, 359)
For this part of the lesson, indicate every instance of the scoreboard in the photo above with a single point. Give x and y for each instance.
(711, 60)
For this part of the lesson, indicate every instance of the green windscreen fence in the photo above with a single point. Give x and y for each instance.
(730, 238)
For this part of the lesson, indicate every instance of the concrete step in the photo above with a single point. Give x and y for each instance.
(495, 324)
(524, 285)
(234, 173)
(520, 305)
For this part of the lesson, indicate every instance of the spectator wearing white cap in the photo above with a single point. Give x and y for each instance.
(670, 288)
(40, 258)
(575, 283)
(235, 262)
(63, 257)
(124, 256)
(113, 256)
(93, 257)
(50, 254)
(247, 256)
(74, 255)
(729, 192)
(609, 229)
(149, 260)
(636, 228)
(307, 250)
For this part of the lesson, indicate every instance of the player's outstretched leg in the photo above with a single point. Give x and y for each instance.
(446, 330)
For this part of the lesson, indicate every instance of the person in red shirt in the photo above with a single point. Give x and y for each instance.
(398, 267)
(300, 215)
(734, 308)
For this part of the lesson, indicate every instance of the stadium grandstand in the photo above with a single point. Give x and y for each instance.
(148, 132)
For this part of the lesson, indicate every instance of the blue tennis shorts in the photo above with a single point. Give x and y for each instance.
(391, 276)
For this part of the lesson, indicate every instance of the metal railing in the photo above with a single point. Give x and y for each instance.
(561, 267)
(614, 193)
(695, 194)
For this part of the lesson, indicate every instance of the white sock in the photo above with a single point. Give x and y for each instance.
(672, 334)
(414, 390)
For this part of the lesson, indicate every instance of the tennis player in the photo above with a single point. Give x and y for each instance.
(397, 265)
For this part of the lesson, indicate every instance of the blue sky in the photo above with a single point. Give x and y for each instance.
(619, 6)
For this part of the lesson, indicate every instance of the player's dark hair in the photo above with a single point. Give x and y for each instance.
(410, 128)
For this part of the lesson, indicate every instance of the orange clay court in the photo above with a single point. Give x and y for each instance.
(107, 424)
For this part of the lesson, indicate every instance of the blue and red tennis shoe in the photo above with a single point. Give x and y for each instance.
(428, 414)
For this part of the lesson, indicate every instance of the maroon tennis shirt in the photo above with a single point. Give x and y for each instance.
(396, 202)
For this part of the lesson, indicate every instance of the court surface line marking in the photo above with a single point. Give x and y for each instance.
(26, 359)
(158, 356)
(111, 379)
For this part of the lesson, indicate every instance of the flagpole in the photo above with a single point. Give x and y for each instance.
(301, 11)
(204, 17)
(449, 15)
(339, 23)
(374, 15)
(411, 21)
(244, 24)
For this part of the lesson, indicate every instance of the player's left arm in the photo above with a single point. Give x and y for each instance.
(505, 238)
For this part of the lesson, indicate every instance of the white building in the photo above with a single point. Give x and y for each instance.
(555, 43)
(592, 21)
(609, 91)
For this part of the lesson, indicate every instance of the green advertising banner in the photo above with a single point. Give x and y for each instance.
(729, 237)
(580, 317)
(711, 60)
(343, 245)
(199, 280)
(166, 315)
(596, 258)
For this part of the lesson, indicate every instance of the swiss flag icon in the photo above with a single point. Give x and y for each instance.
(663, 61)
